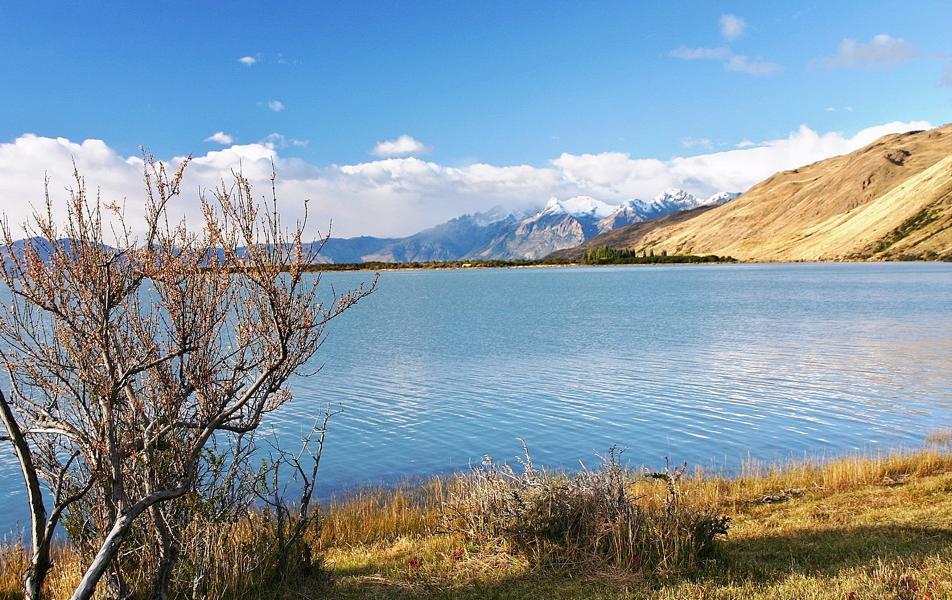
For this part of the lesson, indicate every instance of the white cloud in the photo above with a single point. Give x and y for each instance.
(758, 68)
(402, 146)
(685, 53)
(220, 137)
(247, 60)
(405, 195)
(732, 27)
(738, 63)
(882, 50)
(277, 140)
(692, 142)
(275, 105)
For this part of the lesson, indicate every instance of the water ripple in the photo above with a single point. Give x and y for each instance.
(705, 364)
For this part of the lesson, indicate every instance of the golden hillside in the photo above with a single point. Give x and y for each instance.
(891, 199)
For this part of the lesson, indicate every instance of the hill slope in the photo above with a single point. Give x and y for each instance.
(891, 199)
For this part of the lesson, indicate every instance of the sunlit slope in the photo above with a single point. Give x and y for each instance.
(891, 199)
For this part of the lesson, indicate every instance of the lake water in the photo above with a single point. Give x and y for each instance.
(707, 364)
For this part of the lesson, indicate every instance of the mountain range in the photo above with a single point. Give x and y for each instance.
(890, 200)
(503, 235)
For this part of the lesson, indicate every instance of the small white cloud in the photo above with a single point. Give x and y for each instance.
(732, 62)
(732, 27)
(402, 146)
(848, 108)
(745, 143)
(685, 53)
(830, 109)
(247, 60)
(692, 142)
(758, 68)
(220, 137)
(275, 105)
(277, 140)
(882, 50)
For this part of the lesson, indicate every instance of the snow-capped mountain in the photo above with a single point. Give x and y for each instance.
(666, 203)
(579, 206)
(502, 234)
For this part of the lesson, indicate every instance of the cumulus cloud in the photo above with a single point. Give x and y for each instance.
(275, 105)
(220, 137)
(732, 27)
(404, 145)
(405, 195)
(247, 60)
(882, 50)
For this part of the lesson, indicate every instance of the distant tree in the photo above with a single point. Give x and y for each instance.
(128, 355)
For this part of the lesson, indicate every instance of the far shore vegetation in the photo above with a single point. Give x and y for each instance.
(597, 256)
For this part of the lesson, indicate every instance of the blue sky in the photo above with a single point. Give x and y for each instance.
(477, 82)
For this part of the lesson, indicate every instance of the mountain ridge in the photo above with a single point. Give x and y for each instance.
(890, 200)
(497, 234)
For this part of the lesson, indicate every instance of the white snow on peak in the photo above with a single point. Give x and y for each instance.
(553, 207)
(720, 198)
(674, 195)
(580, 206)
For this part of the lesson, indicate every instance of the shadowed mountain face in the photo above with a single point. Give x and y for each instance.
(889, 200)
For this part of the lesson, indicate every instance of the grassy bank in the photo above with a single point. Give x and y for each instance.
(856, 527)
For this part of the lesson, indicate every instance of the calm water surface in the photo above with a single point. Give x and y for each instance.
(707, 364)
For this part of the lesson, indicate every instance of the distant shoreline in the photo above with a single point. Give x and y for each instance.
(466, 265)
(517, 264)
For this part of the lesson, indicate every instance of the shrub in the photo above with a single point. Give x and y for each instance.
(584, 519)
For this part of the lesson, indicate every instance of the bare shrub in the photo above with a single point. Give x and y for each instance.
(583, 519)
(132, 355)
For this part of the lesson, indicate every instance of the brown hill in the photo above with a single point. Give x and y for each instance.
(889, 200)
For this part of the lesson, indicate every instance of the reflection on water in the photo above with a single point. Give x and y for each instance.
(705, 364)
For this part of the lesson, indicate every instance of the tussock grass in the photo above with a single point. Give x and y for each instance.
(584, 520)
(861, 527)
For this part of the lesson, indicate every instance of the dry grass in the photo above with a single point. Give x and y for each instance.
(857, 527)
(873, 526)
(584, 520)
(373, 515)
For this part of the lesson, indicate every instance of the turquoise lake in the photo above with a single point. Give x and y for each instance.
(709, 364)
